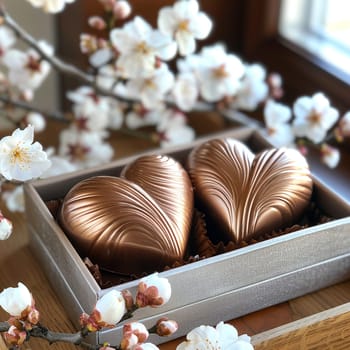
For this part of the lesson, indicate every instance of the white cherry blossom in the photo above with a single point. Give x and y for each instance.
(277, 117)
(223, 337)
(20, 158)
(220, 74)
(5, 227)
(314, 116)
(16, 300)
(84, 148)
(152, 89)
(140, 46)
(90, 110)
(51, 6)
(173, 129)
(27, 70)
(185, 91)
(253, 89)
(185, 23)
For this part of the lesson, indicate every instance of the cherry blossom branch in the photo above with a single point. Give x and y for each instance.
(30, 108)
(4, 326)
(74, 71)
(54, 337)
(56, 62)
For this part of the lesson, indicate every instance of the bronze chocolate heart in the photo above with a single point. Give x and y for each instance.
(168, 183)
(122, 227)
(248, 195)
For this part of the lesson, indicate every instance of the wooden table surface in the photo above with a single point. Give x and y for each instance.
(18, 263)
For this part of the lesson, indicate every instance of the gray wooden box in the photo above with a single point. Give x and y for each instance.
(219, 288)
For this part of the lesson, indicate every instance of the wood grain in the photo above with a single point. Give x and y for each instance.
(327, 330)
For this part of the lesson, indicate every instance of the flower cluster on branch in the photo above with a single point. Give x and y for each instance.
(112, 308)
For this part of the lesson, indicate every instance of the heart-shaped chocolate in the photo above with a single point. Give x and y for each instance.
(169, 185)
(124, 228)
(247, 195)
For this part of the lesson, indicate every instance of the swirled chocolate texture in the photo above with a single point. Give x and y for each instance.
(168, 183)
(247, 195)
(122, 227)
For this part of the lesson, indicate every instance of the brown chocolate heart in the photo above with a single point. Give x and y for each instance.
(168, 183)
(122, 227)
(248, 195)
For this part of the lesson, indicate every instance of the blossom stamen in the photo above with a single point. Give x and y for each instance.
(315, 118)
(19, 155)
(143, 48)
(220, 72)
(33, 64)
(184, 25)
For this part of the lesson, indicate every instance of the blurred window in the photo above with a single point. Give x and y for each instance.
(321, 27)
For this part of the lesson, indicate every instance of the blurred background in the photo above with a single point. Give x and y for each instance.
(304, 40)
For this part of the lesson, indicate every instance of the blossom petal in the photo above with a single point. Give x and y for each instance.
(201, 26)
(186, 42)
(167, 20)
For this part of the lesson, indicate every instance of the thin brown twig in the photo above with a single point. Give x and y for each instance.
(30, 108)
(38, 331)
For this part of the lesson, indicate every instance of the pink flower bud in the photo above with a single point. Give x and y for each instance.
(33, 316)
(166, 327)
(27, 95)
(303, 149)
(121, 9)
(97, 22)
(37, 120)
(137, 329)
(153, 291)
(14, 336)
(330, 155)
(88, 43)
